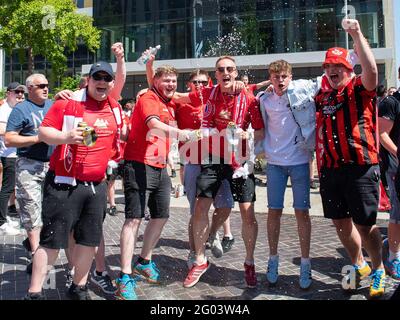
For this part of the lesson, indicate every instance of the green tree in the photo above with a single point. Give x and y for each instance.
(70, 83)
(50, 28)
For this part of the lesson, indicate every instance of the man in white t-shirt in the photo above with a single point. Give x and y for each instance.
(289, 119)
(15, 94)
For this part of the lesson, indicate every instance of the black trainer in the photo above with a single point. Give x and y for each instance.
(29, 268)
(27, 245)
(12, 210)
(34, 296)
(78, 292)
(112, 211)
(227, 243)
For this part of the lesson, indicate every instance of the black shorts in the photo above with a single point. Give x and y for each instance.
(211, 177)
(79, 209)
(351, 192)
(146, 186)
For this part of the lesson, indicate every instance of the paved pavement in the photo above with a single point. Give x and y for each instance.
(224, 280)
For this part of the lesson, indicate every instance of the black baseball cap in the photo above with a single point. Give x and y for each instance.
(101, 66)
(15, 86)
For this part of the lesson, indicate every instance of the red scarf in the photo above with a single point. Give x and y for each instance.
(240, 106)
(73, 114)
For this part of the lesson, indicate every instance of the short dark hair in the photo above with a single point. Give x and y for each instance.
(198, 72)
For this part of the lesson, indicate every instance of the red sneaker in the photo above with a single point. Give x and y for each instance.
(250, 275)
(195, 273)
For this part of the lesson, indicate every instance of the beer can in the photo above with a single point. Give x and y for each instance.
(89, 134)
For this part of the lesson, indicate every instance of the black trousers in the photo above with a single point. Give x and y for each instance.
(8, 186)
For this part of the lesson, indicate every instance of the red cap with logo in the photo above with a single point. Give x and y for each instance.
(338, 56)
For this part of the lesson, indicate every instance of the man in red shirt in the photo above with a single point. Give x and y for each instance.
(75, 188)
(225, 112)
(146, 181)
(347, 155)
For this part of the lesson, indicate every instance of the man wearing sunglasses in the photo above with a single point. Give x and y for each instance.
(33, 155)
(75, 197)
(225, 108)
(189, 116)
(100, 277)
(15, 94)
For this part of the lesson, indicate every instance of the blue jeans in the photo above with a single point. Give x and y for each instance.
(277, 177)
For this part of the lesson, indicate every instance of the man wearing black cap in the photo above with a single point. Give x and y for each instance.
(75, 187)
(15, 94)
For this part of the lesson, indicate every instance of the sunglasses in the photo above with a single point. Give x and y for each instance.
(106, 78)
(42, 85)
(19, 91)
(197, 82)
(229, 69)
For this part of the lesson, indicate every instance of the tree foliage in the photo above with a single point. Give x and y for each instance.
(50, 28)
(70, 83)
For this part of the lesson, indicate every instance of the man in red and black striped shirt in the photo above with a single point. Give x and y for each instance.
(347, 153)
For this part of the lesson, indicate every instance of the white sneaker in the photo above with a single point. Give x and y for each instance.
(216, 246)
(13, 223)
(9, 230)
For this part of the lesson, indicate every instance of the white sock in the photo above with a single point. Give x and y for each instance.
(274, 258)
(249, 262)
(230, 236)
(363, 264)
(394, 255)
(305, 260)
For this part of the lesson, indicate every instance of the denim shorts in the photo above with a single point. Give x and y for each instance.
(223, 198)
(277, 178)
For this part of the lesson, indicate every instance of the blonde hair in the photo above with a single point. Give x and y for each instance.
(280, 66)
(166, 69)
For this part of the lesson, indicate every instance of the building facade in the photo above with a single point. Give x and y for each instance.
(193, 32)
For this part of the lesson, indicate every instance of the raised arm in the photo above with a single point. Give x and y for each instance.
(150, 70)
(120, 73)
(369, 75)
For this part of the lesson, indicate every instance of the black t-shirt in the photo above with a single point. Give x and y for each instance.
(389, 108)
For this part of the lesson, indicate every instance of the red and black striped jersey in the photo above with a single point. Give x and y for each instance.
(346, 125)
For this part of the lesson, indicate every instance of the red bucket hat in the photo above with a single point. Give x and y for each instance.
(338, 56)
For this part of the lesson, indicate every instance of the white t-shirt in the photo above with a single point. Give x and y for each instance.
(282, 133)
(11, 152)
